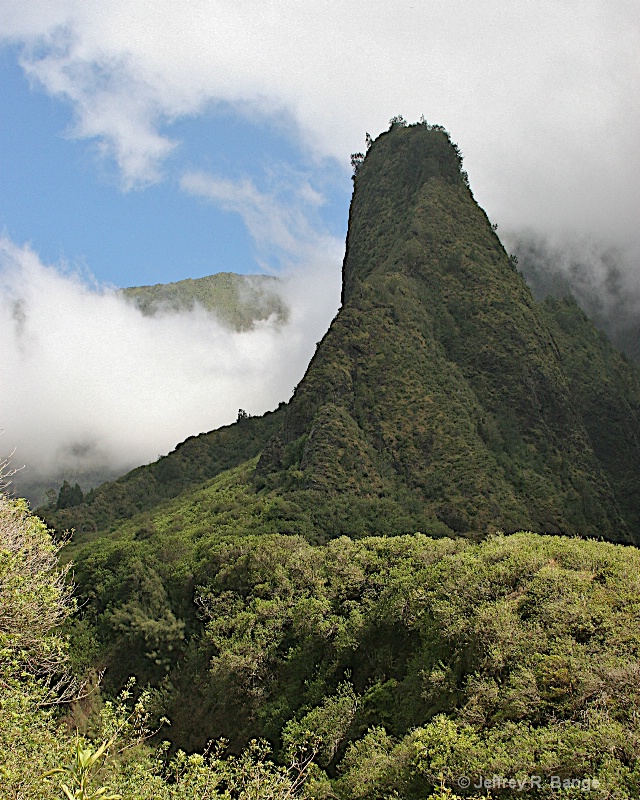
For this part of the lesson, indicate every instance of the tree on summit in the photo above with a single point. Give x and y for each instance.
(397, 122)
(356, 161)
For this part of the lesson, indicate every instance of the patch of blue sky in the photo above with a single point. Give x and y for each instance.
(58, 194)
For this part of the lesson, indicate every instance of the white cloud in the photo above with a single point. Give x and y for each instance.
(542, 97)
(278, 220)
(89, 381)
(266, 222)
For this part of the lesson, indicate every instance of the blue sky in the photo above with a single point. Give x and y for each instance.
(58, 194)
(151, 142)
(107, 106)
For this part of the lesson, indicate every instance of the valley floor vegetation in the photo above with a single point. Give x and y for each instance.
(42, 706)
(373, 668)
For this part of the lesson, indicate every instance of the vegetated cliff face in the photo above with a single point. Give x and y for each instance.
(443, 398)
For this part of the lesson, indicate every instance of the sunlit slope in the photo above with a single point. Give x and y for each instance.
(238, 301)
(194, 461)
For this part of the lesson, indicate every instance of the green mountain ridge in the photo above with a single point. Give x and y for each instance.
(444, 398)
(238, 301)
(332, 576)
(443, 385)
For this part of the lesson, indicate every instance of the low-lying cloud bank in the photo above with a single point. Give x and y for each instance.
(542, 99)
(89, 382)
(604, 279)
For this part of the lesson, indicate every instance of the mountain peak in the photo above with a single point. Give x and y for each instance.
(398, 166)
(439, 400)
(443, 399)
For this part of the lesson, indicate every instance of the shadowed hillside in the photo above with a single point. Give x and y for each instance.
(443, 398)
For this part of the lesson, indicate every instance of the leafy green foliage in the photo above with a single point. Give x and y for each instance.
(515, 656)
(80, 773)
(400, 663)
(34, 601)
(41, 758)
